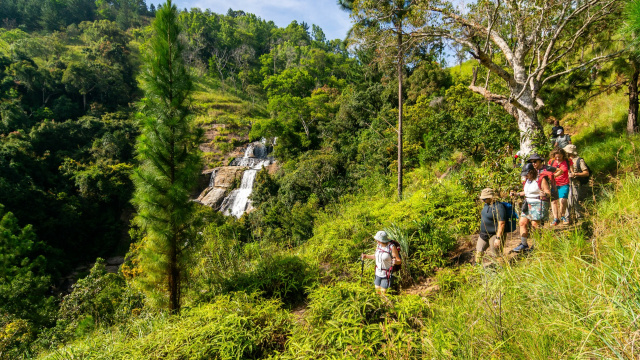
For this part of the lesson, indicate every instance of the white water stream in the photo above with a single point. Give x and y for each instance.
(255, 158)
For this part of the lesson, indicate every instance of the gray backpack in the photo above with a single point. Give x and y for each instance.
(562, 141)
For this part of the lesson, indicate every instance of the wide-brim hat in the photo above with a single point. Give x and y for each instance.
(534, 157)
(571, 149)
(487, 193)
(382, 237)
(526, 169)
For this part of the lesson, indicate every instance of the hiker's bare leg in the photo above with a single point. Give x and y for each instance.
(498, 244)
(524, 226)
(563, 206)
(554, 209)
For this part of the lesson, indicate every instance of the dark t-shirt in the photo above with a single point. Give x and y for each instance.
(490, 216)
(554, 131)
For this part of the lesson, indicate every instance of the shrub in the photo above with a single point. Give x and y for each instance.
(100, 299)
(234, 326)
(349, 321)
(284, 277)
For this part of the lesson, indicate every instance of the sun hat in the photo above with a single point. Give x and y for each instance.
(526, 169)
(559, 131)
(382, 236)
(487, 193)
(571, 149)
(534, 157)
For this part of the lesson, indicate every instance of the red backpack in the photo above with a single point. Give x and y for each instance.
(551, 180)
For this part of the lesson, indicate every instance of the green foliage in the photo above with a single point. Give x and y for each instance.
(347, 320)
(24, 282)
(98, 300)
(345, 230)
(16, 336)
(170, 163)
(498, 171)
(234, 326)
(463, 122)
(431, 245)
(287, 278)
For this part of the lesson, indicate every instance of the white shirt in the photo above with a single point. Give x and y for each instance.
(383, 259)
(531, 190)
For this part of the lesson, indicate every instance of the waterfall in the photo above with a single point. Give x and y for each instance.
(212, 182)
(255, 158)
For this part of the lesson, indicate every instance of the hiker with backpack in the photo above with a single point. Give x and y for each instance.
(556, 127)
(561, 140)
(387, 257)
(579, 175)
(538, 191)
(560, 160)
(493, 219)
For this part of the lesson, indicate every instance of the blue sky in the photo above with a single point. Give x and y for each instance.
(324, 13)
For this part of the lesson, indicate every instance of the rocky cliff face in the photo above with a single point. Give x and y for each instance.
(219, 194)
(222, 179)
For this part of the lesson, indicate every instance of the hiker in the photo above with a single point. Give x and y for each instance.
(560, 160)
(561, 140)
(386, 256)
(579, 175)
(535, 210)
(492, 226)
(556, 127)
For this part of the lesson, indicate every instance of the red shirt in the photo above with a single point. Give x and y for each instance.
(564, 165)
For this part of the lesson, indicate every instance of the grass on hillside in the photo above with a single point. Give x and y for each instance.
(576, 296)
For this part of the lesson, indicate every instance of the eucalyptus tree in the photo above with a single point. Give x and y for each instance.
(169, 159)
(632, 28)
(527, 44)
(381, 22)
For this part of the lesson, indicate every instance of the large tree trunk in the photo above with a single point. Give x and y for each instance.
(531, 133)
(174, 278)
(400, 65)
(632, 120)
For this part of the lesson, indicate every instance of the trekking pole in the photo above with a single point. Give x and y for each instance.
(362, 264)
(572, 205)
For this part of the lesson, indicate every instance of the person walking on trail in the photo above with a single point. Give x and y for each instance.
(556, 127)
(579, 176)
(386, 256)
(559, 206)
(493, 219)
(561, 140)
(535, 210)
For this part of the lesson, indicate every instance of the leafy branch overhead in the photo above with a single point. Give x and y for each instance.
(528, 45)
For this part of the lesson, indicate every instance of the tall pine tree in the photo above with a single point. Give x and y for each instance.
(167, 150)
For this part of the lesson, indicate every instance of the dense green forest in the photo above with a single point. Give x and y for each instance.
(104, 108)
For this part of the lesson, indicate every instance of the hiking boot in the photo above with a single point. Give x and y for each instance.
(565, 221)
(520, 248)
(555, 222)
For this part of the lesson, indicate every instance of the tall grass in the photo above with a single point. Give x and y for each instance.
(237, 326)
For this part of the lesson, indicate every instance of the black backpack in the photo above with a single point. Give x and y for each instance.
(583, 180)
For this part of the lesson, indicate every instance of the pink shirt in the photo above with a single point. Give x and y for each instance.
(564, 165)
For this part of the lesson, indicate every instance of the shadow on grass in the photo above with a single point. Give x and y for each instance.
(608, 149)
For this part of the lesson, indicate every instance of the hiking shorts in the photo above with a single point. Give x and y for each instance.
(563, 191)
(538, 210)
(383, 282)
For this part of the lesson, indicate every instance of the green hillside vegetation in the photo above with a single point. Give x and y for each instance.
(574, 295)
(285, 280)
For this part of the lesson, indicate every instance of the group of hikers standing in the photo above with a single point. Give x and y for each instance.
(558, 185)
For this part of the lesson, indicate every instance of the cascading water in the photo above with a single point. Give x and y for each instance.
(255, 158)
